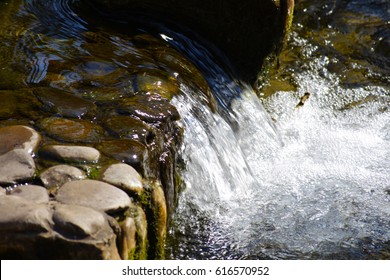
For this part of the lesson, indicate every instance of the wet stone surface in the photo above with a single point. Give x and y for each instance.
(82, 142)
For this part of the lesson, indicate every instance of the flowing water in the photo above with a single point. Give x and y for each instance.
(317, 185)
(268, 177)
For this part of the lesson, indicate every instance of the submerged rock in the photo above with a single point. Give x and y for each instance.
(71, 130)
(128, 151)
(64, 103)
(149, 108)
(128, 127)
(157, 81)
(94, 194)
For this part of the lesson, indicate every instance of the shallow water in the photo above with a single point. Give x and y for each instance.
(264, 178)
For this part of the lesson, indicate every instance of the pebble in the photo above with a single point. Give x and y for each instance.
(77, 222)
(124, 177)
(77, 154)
(32, 193)
(21, 215)
(94, 194)
(16, 165)
(18, 137)
(58, 175)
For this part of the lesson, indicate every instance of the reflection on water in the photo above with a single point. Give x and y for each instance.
(313, 182)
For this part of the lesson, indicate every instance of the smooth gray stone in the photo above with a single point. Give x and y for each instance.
(21, 215)
(16, 165)
(94, 194)
(76, 222)
(72, 153)
(18, 137)
(58, 175)
(124, 177)
(32, 193)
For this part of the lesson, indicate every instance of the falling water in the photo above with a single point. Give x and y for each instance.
(313, 182)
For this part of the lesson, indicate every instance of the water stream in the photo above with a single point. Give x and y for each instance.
(268, 177)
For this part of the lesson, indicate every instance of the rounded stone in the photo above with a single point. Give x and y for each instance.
(149, 108)
(21, 215)
(157, 81)
(68, 130)
(64, 103)
(94, 194)
(18, 137)
(58, 175)
(73, 221)
(32, 193)
(78, 154)
(128, 127)
(16, 166)
(124, 177)
(126, 150)
(127, 239)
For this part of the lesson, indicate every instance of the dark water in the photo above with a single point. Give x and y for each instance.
(324, 193)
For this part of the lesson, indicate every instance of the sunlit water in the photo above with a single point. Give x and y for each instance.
(322, 193)
(265, 178)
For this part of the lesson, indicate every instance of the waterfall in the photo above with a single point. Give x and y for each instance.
(313, 182)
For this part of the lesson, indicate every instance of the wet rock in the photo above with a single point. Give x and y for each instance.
(21, 215)
(58, 175)
(141, 234)
(64, 103)
(128, 127)
(149, 108)
(74, 154)
(37, 194)
(77, 222)
(157, 81)
(104, 95)
(158, 223)
(8, 106)
(15, 166)
(126, 239)
(94, 194)
(127, 151)
(18, 137)
(67, 130)
(124, 177)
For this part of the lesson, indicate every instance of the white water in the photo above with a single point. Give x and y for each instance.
(317, 186)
